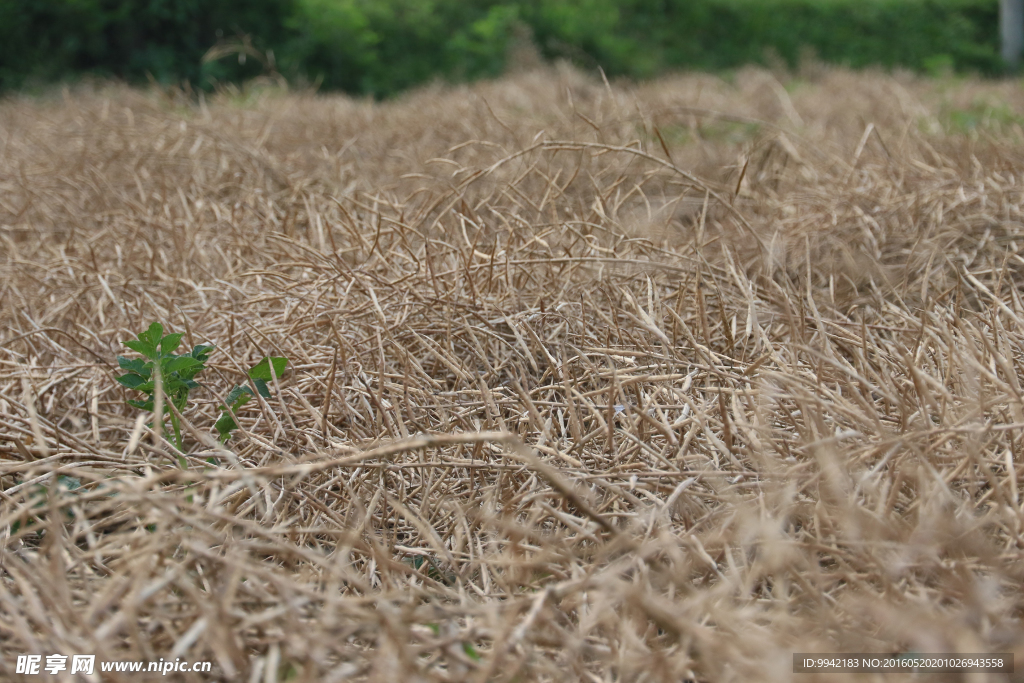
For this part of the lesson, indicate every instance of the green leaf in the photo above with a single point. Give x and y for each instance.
(189, 373)
(133, 364)
(261, 387)
(179, 363)
(262, 369)
(224, 425)
(238, 397)
(179, 385)
(141, 405)
(153, 335)
(131, 380)
(202, 352)
(237, 392)
(471, 651)
(170, 342)
(145, 348)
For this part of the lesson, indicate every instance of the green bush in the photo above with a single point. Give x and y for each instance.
(643, 37)
(46, 40)
(381, 47)
(378, 47)
(370, 46)
(909, 33)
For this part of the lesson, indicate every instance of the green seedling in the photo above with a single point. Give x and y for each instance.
(176, 374)
(241, 394)
(433, 570)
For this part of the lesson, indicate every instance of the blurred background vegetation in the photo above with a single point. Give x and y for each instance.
(381, 47)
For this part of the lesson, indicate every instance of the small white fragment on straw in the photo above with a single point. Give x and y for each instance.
(133, 442)
(33, 416)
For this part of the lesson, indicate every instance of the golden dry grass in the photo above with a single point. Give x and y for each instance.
(620, 383)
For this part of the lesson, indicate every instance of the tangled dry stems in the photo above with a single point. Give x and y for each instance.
(588, 382)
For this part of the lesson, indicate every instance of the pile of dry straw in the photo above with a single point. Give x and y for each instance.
(586, 382)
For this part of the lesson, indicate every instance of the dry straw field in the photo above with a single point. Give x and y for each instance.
(586, 382)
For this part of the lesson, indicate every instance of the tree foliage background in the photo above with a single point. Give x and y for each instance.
(380, 47)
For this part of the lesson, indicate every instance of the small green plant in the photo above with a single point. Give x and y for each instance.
(176, 373)
(982, 115)
(241, 394)
(433, 570)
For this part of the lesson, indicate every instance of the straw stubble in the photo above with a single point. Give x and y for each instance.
(574, 393)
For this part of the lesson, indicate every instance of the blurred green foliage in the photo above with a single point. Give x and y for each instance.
(981, 116)
(46, 40)
(381, 47)
(643, 37)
